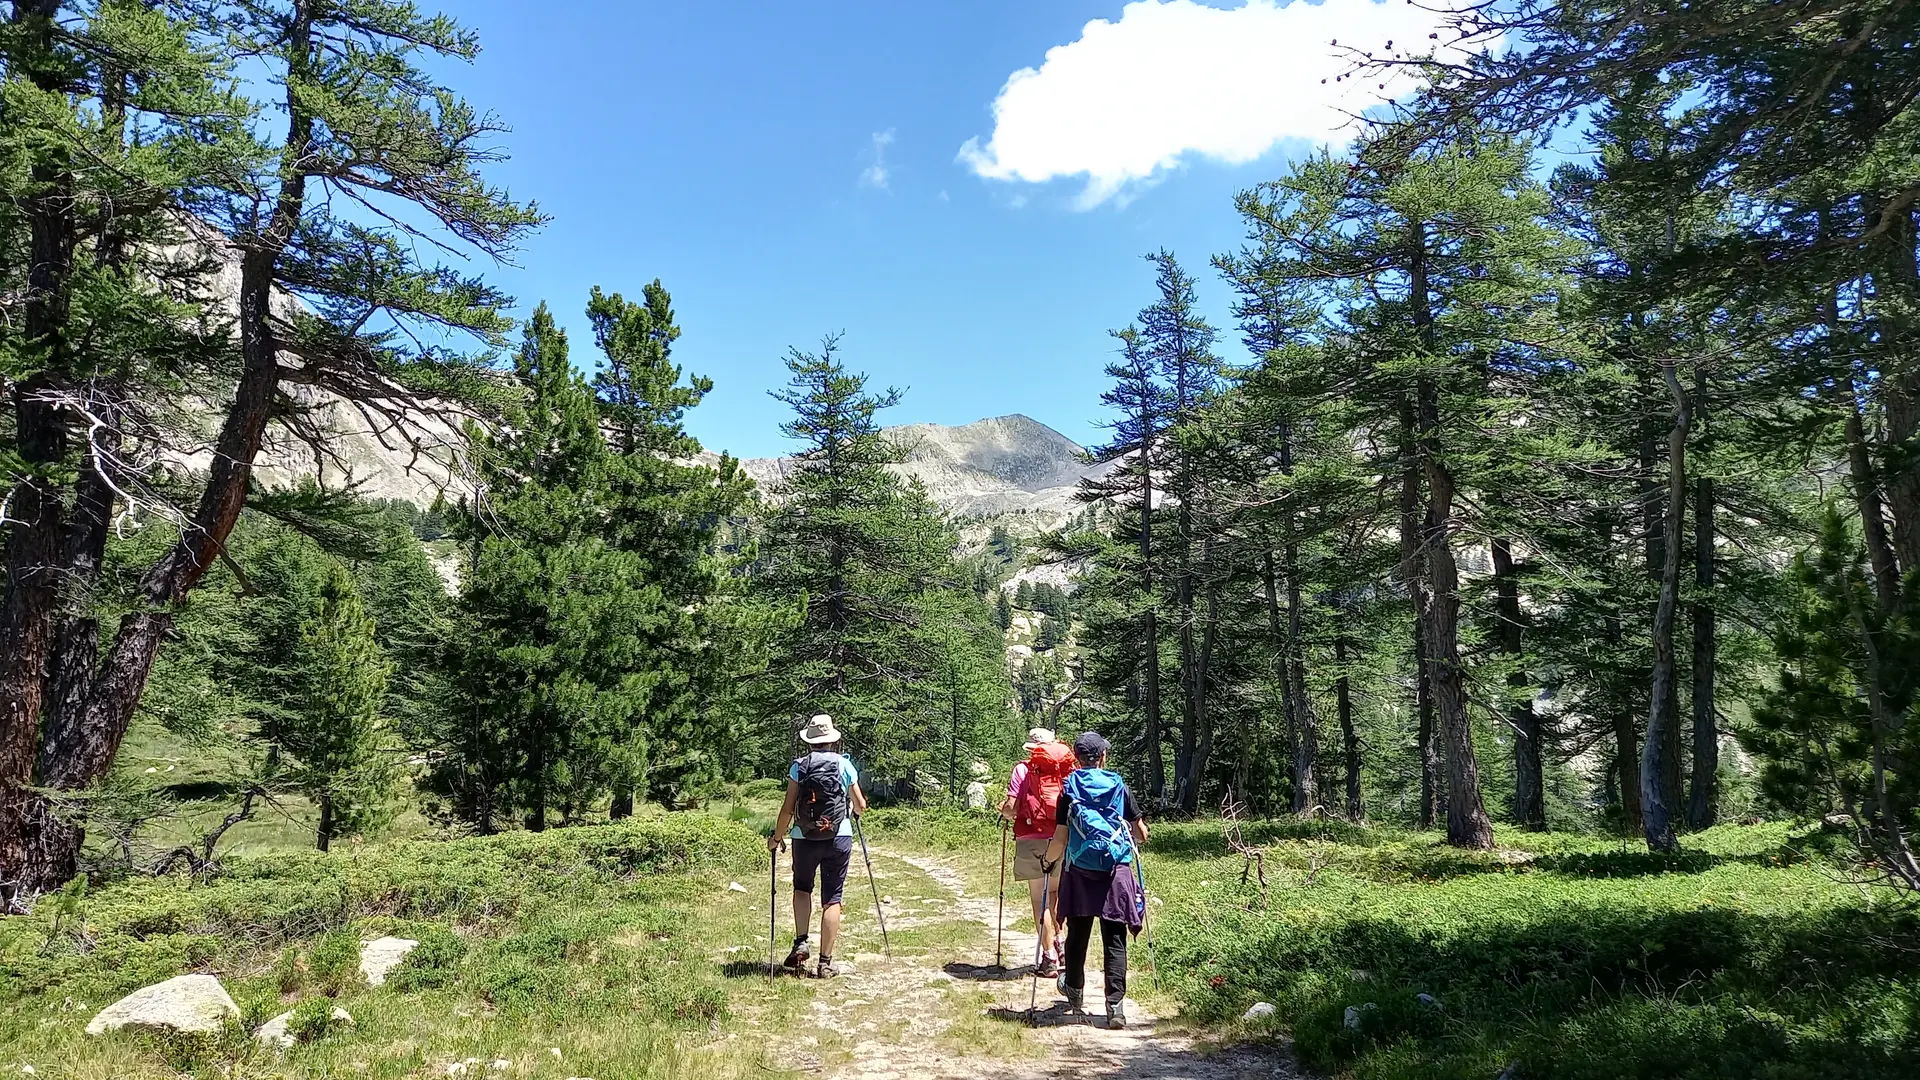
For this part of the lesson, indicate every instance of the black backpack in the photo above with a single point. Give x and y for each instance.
(822, 803)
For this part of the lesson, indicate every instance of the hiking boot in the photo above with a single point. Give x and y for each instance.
(1116, 1014)
(797, 959)
(827, 969)
(1072, 995)
(1049, 967)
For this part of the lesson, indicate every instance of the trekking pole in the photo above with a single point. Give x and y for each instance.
(1033, 991)
(1000, 923)
(773, 907)
(1146, 913)
(878, 910)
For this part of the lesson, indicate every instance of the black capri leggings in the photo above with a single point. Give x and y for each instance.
(1113, 941)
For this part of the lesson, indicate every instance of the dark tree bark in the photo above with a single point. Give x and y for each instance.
(323, 833)
(1703, 799)
(1659, 756)
(1437, 588)
(1529, 776)
(81, 737)
(1349, 736)
(1626, 760)
(34, 504)
(1302, 743)
(1432, 787)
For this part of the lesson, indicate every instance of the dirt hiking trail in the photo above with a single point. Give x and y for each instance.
(929, 1011)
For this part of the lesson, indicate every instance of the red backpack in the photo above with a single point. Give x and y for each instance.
(1047, 769)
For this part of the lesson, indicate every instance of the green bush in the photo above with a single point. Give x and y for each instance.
(433, 963)
(335, 962)
(311, 1019)
(1742, 957)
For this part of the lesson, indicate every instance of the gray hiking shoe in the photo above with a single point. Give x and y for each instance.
(827, 969)
(797, 959)
(1117, 1014)
(1072, 995)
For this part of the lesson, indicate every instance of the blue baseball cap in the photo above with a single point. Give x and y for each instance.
(1090, 745)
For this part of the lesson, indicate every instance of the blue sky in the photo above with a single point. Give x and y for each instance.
(790, 169)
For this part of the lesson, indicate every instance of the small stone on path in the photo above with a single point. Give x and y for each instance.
(1260, 1011)
(191, 1003)
(734, 886)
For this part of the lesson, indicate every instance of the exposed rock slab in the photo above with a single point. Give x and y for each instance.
(189, 1003)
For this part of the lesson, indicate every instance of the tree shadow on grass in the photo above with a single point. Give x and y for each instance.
(756, 969)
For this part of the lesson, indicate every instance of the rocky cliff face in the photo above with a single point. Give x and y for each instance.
(989, 468)
(1006, 465)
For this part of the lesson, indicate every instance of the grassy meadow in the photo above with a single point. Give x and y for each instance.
(623, 948)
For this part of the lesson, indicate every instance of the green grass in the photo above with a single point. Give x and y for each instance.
(606, 943)
(1744, 956)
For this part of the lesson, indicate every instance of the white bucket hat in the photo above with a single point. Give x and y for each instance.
(1038, 737)
(819, 731)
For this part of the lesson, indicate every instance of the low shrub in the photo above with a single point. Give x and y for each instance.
(1743, 957)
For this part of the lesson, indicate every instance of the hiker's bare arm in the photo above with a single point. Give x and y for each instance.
(1006, 806)
(859, 799)
(1057, 847)
(1139, 827)
(777, 840)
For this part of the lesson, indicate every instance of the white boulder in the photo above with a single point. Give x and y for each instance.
(1260, 1011)
(192, 1003)
(381, 956)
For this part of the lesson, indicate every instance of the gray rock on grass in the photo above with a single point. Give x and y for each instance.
(379, 957)
(196, 1004)
(274, 1034)
(1260, 1011)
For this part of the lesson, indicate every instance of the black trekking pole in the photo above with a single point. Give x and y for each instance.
(878, 910)
(1146, 913)
(773, 907)
(1000, 923)
(1033, 992)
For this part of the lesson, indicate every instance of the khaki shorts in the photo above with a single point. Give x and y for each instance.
(1027, 857)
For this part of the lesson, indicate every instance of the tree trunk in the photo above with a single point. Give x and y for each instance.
(1626, 739)
(1303, 748)
(1155, 789)
(1432, 791)
(1306, 749)
(1702, 802)
(1437, 588)
(323, 834)
(34, 504)
(1350, 738)
(1529, 776)
(79, 743)
(1203, 743)
(621, 807)
(1658, 757)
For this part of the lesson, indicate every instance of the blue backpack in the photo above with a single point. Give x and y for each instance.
(1097, 837)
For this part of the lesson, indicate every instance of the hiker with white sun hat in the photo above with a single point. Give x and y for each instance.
(823, 798)
(1033, 791)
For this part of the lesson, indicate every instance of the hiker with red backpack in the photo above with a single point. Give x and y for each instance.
(823, 798)
(1033, 794)
(1098, 835)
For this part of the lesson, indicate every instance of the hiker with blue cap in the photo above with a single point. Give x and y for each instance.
(1099, 835)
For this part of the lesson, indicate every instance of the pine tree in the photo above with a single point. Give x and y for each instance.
(552, 619)
(889, 641)
(671, 511)
(140, 162)
(335, 731)
(1002, 610)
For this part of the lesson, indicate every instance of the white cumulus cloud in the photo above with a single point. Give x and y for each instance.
(1174, 78)
(876, 175)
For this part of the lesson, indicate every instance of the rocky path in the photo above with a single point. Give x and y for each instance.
(931, 1013)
